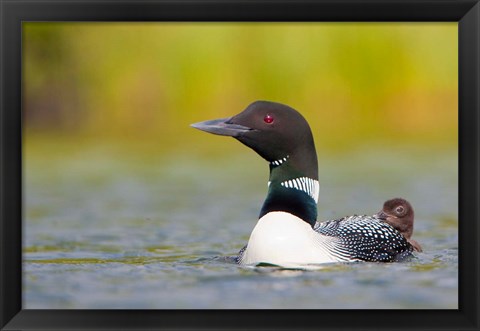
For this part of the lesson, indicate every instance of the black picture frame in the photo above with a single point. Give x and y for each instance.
(14, 12)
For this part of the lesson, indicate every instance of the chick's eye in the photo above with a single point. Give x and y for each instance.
(268, 119)
(399, 209)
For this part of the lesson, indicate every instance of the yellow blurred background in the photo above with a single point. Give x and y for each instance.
(356, 83)
(122, 198)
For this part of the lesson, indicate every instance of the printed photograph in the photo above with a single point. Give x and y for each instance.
(240, 165)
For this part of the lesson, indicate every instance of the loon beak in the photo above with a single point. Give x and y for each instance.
(222, 127)
(381, 215)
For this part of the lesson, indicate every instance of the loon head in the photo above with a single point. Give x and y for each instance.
(282, 136)
(273, 130)
(399, 214)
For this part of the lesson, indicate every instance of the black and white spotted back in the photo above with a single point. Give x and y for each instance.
(364, 238)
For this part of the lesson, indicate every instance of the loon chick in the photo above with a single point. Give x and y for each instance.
(399, 214)
(285, 233)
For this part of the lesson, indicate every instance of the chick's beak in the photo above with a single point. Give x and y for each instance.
(381, 215)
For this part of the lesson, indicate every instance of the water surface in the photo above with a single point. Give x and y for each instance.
(109, 229)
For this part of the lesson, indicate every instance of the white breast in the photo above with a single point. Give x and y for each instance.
(283, 239)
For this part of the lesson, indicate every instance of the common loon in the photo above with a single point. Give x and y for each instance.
(287, 233)
(399, 214)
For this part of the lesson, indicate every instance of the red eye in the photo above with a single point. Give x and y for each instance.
(268, 119)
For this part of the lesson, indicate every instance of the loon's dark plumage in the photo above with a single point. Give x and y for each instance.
(364, 238)
(287, 233)
(282, 136)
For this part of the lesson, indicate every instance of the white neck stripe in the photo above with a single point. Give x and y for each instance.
(305, 184)
(280, 161)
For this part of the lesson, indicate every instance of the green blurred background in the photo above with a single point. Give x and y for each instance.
(124, 201)
(144, 83)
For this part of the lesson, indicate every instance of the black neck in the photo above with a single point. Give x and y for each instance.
(292, 200)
